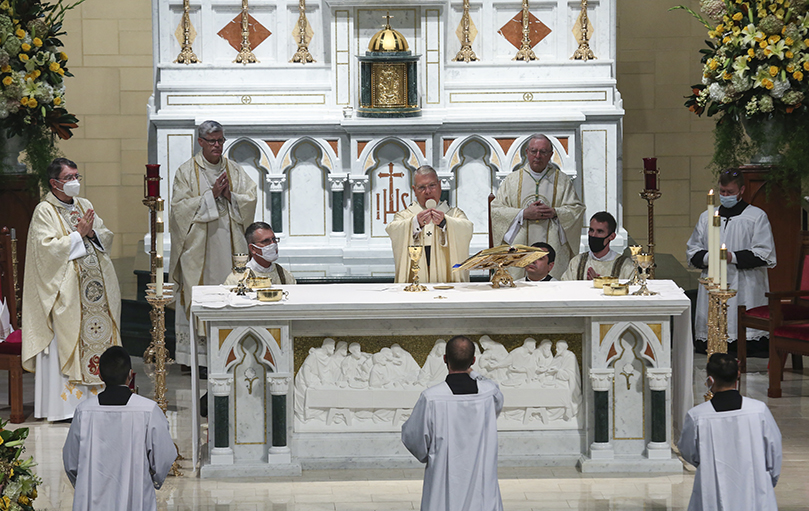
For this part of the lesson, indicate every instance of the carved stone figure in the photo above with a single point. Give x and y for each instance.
(520, 364)
(565, 369)
(405, 367)
(311, 373)
(492, 358)
(355, 368)
(435, 369)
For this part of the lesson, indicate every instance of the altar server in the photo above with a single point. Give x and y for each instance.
(745, 231)
(540, 270)
(537, 202)
(600, 260)
(118, 448)
(735, 444)
(453, 429)
(213, 201)
(444, 233)
(263, 247)
(71, 298)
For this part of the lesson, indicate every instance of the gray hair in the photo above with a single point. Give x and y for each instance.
(55, 168)
(425, 170)
(208, 127)
(540, 136)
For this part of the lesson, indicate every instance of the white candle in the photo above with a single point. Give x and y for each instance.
(712, 270)
(158, 287)
(723, 268)
(159, 234)
(717, 240)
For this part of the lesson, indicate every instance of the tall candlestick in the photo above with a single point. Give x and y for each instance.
(712, 270)
(723, 268)
(152, 180)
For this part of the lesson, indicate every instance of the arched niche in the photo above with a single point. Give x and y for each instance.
(474, 178)
(251, 156)
(307, 191)
(390, 178)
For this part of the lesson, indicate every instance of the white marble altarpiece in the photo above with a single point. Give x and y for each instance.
(330, 181)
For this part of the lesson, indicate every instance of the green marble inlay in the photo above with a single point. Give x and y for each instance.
(359, 213)
(658, 416)
(337, 211)
(276, 208)
(279, 421)
(602, 416)
(222, 414)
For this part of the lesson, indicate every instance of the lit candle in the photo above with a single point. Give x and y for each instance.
(717, 240)
(159, 248)
(709, 221)
(723, 268)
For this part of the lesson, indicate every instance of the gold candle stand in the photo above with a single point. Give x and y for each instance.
(245, 55)
(302, 55)
(187, 55)
(525, 52)
(717, 319)
(583, 52)
(650, 196)
(466, 53)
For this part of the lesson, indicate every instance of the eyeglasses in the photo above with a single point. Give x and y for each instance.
(220, 141)
(424, 188)
(543, 152)
(71, 177)
(275, 240)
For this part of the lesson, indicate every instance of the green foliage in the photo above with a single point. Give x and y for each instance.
(40, 151)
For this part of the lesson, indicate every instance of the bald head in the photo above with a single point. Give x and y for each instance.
(460, 353)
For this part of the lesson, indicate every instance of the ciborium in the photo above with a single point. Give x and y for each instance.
(645, 261)
(635, 251)
(240, 267)
(415, 257)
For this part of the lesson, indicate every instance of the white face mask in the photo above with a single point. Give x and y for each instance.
(268, 253)
(728, 201)
(71, 188)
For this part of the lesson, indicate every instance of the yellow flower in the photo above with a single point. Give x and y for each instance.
(63, 55)
(23, 57)
(762, 13)
(790, 68)
(774, 38)
(773, 70)
(37, 73)
(37, 42)
(720, 27)
(751, 52)
(33, 494)
(5, 69)
(57, 101)
(763, 44)
(20, 33)
(768, 84)
(54, 67)
(24, 101)
(727, 76)
(767, 52)
(26, 47)
(32, 103)
(61, 72)
(713, 64)
(726, 40)
(789, 41)
(738, 16)
(10, 473)
(789, 54)
(806, 66)
(23, 500)
(4, 502)
(798, 76)
(7, 81)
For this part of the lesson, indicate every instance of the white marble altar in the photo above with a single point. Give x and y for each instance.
(611, 410)
(330, 181)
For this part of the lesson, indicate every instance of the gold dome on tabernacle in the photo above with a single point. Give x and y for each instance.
(388, 39)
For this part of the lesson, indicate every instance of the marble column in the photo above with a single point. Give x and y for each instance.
(337, 183)
(601, 380)
(659, 447)
(221, 453)
(279, 388)
(359, 185)
(277, 184)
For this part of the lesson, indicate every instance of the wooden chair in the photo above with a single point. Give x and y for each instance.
(11, 348)
(785, 337)
(794, 310)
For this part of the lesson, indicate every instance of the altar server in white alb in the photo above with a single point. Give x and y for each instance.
(453, 429)
(600, 260)
(71, 298)
(263, 246)
(537, 202)
(213, 201)
(118, 448)
(735, 444)
(444, 232)
(746, 232)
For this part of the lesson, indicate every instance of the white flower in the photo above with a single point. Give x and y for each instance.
(779, 88)
(717, 92)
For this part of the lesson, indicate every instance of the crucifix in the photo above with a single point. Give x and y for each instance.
(390, 208)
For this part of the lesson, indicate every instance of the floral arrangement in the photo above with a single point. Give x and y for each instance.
(756, 79)
(32, 73)
(18, 486)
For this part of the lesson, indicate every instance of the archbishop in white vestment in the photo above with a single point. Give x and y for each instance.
(213, 202)
(71, 298)
(538, 202)
(453, 429)
(445, 242)
(746, 232)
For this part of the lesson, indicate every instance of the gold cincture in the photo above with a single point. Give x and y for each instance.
(583, 52)
(302, 55)
(525, 52)
(466, 53)
(245, 55)
(187, 55)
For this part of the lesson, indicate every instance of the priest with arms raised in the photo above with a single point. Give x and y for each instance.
(453, 429)
(537, 202)
(212, 203)
(735, 444)
(71, 298)
(444, 233)
(118, 449)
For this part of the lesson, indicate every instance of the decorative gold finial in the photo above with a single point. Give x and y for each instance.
(583, 52)
(187, 55)
(466, 53)
(245, 55)
(525, 52)
(302, 55)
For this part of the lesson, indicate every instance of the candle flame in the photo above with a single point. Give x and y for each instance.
(724, 247)
(711, 192)
(716, 213)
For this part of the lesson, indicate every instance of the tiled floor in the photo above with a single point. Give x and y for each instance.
(359, 490)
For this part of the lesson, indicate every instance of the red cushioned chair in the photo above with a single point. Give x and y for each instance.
(785, 337)
(11, 348)
(795, 309)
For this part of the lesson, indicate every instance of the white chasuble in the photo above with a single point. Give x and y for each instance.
(448, 245)
(554, 188)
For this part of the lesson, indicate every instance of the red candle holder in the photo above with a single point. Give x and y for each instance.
(151, 181)
(650, 173)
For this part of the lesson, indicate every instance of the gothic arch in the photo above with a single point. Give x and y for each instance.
(231, 350)
(368, 158)
(650, 344)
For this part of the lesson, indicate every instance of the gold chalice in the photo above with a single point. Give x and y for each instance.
(415, 257)
(645, 261)
(240, 266)
(635, 251)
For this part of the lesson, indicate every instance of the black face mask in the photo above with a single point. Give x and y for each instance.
(596, 244)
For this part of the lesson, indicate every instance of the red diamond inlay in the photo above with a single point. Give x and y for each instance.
(512, 30)
(232, 32)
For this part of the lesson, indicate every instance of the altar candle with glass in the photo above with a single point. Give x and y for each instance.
(723, 268)
(152, 180)
(717, 240)
(650, 173)
(712, 270)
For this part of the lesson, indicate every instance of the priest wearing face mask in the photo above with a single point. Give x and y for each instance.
(71, 298)
(263, 247)
(600, 260)
(745, 231)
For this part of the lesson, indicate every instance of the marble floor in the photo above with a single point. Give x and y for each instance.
(523, 489)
